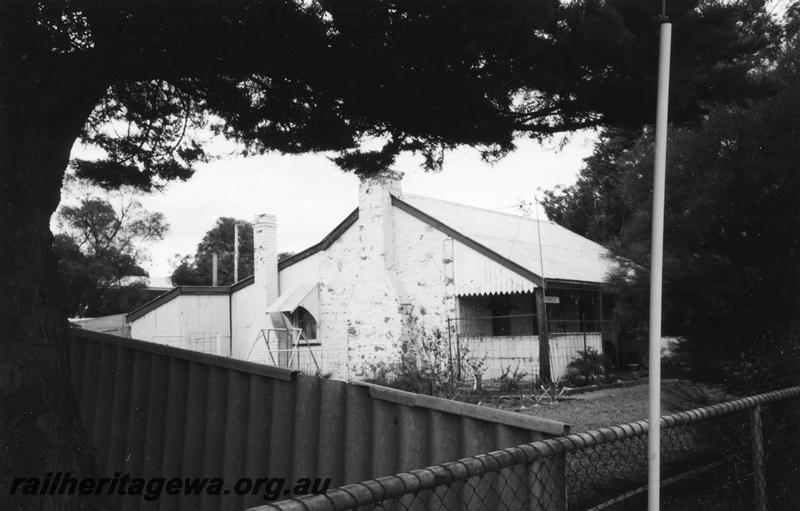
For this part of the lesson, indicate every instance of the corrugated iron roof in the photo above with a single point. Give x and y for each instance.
(565, 254)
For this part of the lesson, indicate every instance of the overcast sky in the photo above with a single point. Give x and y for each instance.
(310, 195)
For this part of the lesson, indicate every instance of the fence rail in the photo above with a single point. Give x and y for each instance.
(714, 458)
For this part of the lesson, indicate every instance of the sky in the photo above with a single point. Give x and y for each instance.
(309, 195)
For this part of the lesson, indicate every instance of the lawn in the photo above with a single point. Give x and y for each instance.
(605, 407)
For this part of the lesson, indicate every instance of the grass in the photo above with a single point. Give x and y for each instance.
(604, 407)
(596, 409)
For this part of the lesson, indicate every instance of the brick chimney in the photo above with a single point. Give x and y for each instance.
(265, 260)
(375, 216)
(375, 319)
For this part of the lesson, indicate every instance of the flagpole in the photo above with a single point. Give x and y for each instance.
(656, 269)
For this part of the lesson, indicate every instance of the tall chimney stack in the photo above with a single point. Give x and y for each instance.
(265, 260)
(375, 217)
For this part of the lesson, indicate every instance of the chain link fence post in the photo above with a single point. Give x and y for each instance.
(757, 442)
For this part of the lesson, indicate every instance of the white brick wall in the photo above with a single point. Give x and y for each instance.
(360, 296)
(421, 269)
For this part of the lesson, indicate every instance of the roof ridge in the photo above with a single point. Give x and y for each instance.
(461, 204)
(519, 217)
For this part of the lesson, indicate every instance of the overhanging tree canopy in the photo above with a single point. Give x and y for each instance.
(317, 76)
(134, 77)
(732, 225)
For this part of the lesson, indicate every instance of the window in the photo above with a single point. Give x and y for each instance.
(303, 320)
(501, 311)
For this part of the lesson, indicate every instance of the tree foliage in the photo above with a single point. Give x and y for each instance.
(197, 271)
(595, 206)
(100, 248)
(732, 221)
(418, 76)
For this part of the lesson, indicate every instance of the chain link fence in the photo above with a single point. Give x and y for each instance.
(213, 343)
(735, 455)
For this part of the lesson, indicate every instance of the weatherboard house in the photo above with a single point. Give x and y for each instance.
(398, 266)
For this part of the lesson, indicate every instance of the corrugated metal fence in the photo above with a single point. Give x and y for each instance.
(157, 411)
(736, 455)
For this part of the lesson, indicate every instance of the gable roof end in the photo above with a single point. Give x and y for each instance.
(186, 290)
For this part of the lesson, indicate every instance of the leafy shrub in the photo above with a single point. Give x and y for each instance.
(588, 368)
(426, 365)
(401, 375)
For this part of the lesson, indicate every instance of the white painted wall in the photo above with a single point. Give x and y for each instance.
(341, 305)
(161, 322)
(189, 322)
(245, 313)
(301, 272)
(421, 269)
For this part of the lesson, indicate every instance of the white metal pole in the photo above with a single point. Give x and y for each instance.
(235, 253)
(656, 268)
(214, 267)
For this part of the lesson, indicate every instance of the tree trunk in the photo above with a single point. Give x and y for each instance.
(40, 427)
